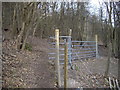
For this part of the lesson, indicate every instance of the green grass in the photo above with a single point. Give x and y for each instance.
(28, 47)
(76, 68)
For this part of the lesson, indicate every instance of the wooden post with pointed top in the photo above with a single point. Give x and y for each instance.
(70, 33)
(65, 66)
(96, 39)
(57, 57)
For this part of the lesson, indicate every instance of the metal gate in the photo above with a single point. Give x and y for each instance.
(76, 50)
(81, 49)
(63, 40)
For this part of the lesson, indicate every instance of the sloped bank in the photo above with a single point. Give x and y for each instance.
(27, 69)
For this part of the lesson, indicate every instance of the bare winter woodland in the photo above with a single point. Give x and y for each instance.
(27, 26)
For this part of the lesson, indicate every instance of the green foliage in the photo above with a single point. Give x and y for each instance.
(28, 47)
(76, 68)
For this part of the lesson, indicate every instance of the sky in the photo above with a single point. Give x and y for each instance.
(95, 8)
(94, 5)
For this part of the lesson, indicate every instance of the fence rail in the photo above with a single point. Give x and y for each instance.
(87, 50)
(82, 45)
(84, 48)
(53, 43)
(59, 37)
(83, 41)
(76, 50)
(82, 58)
(83, 52)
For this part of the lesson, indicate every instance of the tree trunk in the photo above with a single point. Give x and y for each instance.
(19, 38)
(14, 21)
(36, 27)
(108, 61)
(24, 42)
(110, 37)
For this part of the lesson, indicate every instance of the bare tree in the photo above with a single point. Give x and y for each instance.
(110, 37)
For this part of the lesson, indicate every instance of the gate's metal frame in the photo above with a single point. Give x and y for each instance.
(68, 40)
(93, 50)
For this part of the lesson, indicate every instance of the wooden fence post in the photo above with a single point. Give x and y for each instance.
(96, 39)
(57, 57)
(69, 47)
(70, 33)
(66, 66)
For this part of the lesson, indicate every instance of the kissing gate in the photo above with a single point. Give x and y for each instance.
(65, 51)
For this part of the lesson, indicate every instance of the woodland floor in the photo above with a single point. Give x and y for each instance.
(89, 73)
(27, 69)
(32, 69)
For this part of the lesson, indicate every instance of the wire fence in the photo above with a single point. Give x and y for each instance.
(84, 49)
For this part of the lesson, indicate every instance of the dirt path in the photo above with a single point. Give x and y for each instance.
(38, 73)
(28, 69)
(41, 72)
